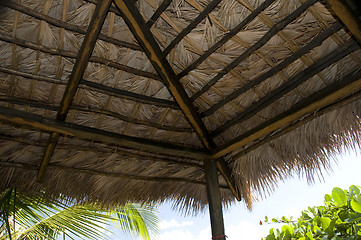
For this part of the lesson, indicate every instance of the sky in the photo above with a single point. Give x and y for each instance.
(289, 199)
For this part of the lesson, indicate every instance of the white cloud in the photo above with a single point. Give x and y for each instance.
(174, 224)
(181, 234)
(242, 230)
(177, 234)
(293, 212)
(246, 230)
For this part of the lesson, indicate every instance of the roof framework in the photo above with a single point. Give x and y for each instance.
(163, 95)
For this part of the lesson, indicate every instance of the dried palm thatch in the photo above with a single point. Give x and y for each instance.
(118, 102)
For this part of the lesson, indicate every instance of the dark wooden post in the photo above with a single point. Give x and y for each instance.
(214, 200)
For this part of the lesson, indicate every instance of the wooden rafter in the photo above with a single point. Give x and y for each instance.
(325, 97)
(273, 71)
(143, 35)
(226, 37)
(288, 86)
(273, 31)
(344, 12)
(76, 75)
(33, 121)
(73, 55)
(53, 107)
(97, 87)
(191, 26)
(70, 27)
(136, 97)
(162, 7)
(145, 38)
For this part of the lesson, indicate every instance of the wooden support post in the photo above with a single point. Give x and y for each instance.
(214, 200)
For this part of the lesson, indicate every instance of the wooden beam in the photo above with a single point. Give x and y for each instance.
(162, 7)
(128, 153)
(92, 86)
(334, 92)
(214, 200)
(70, 27)
(136, 97)
(273, 31)
(191, 26)
(111, 9)
(142, 33)
(33, 121)
(53, 107)
(145, 38)
(86, 50)
(226, 37)
(96, 87)
(347, 16)
(288, 86)
(73, 55)
(273, 71)
(319, 112)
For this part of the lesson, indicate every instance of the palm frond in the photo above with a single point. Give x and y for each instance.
(135, 218)
(39, 218)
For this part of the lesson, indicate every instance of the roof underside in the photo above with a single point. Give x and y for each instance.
(118, 102)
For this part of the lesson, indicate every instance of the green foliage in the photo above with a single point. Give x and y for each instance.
(24, 216)
(339, 218)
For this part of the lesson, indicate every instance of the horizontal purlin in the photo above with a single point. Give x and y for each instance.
(33, 121)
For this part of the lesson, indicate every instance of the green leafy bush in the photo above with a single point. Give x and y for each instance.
(339, 218)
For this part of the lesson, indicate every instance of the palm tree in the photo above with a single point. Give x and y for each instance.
(26, 216)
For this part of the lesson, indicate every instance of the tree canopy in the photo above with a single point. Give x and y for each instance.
(339, 218)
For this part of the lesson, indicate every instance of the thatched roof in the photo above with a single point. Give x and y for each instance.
(267, 89)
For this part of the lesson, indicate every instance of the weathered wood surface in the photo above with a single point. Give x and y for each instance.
(33, 121)
(214, 199)
(347, 16)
